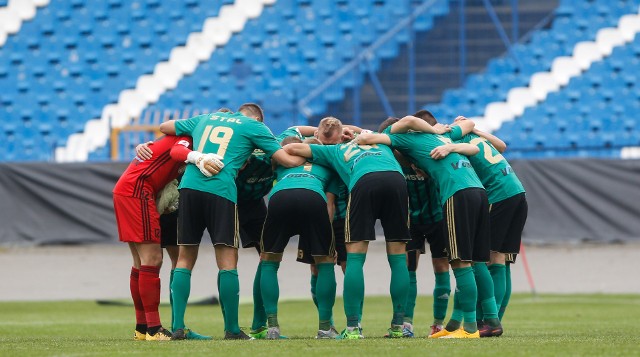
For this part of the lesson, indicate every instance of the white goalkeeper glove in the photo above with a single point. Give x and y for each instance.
(208, 164)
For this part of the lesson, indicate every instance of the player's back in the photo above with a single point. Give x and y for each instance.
(309, 176)
(233, 137)
(154, 173)
(452, 173)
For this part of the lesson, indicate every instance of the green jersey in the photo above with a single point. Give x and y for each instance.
(353, 161)
(314, 177)
(342, 196)
(492, 168)
(233, 136)
(453, 173)
(255, 179)
(424, 198)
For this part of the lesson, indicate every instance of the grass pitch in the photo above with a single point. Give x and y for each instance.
(547, 325)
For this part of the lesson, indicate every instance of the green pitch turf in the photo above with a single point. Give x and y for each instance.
(547, 325)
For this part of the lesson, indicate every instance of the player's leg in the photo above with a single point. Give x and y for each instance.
(510, 246)
(460, 214)
(413, 257)
(279, 226)
(252, 215)
(392, 207)
(317, 233)
(481, 256)
(149, 287)
(442, 288)
(191, 223)
(134, 286)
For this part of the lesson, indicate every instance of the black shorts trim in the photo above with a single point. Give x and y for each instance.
(341, 249)
(298, 212)
(202, 210)
(508, 218)
(466, 225)
(378, 195)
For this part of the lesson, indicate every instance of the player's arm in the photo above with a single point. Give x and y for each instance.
(306, 130)
(463, 148)
(301, 150)
(168, 127)
(371, 138)
(494, 140)
(466, 125)
(416, 124)
(283, 158)
(208, 164)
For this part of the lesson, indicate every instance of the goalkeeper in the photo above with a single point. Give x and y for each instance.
(137, 217)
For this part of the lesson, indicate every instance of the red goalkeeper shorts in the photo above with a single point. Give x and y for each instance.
(137, 218)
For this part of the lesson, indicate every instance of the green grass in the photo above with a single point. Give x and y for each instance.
(547, 325)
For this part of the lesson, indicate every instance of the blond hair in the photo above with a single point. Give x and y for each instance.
(328, 126)
(312, 141)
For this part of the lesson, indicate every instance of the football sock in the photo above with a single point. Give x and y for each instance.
(326, 294)
(411, 297)
(466, 288)
(153, 330)
(229, 292)
(486, 295)
(171, 297)
(221, 302)
(149, 282)
(507, 292)
(354, 288)
(314, 282)
(134, 286)
(456, 316)
(180, 290)
(498, 275)
(399, 286)
(441, 292)
(270, 291)
(259, 315)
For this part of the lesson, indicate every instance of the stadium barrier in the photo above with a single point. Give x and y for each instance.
(569, 200)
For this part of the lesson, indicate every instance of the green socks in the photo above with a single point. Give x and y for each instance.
(270, 290)
(326, 294)
(314, 282)
(354, 287)
(457, 315)
(441, 292)
(499, 277)
(411, 297)
(229, 291)
(507, 292)
(180, 290)
(486, 296)
(468, 295)
(399, 286)
(259, 315)
(171, 297)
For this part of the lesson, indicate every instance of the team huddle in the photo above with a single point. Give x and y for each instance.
(443, 185)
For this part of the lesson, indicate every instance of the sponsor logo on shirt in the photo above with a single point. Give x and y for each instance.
(461, 164)
(506, 171)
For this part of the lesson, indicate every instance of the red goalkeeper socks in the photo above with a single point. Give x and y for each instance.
(149, 284)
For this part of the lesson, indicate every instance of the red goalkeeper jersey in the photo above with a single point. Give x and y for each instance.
(169, 155)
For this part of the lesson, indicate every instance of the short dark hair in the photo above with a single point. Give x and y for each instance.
(224, 110)
(290, 140)
(426, 116)
(252, 110)
(386, 123)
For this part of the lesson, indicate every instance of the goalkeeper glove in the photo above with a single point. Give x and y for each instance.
(208, 164)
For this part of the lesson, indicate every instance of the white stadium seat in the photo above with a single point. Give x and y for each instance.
(585, 53)
(520, 98)
(629, 26)
(564, 68)
(542, 83)
(607, 39)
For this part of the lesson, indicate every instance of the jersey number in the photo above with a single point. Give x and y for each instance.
(220, 135)
(487, 151)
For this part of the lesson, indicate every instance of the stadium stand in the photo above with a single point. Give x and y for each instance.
(74, 61)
